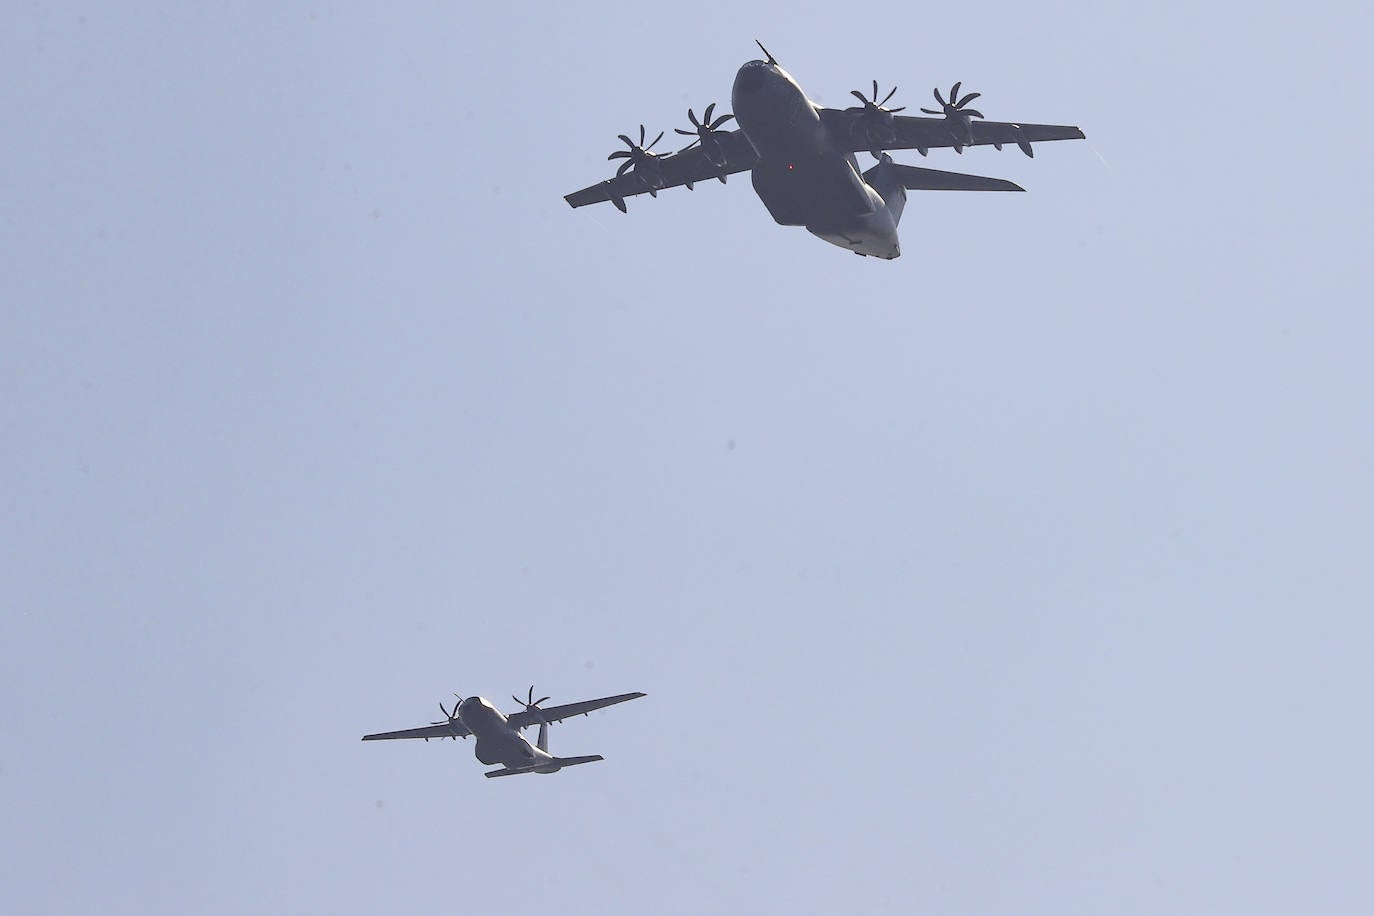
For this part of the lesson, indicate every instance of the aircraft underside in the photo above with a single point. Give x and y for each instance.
(801, 156)
(834, 203)
(803, 178)
(499, 737)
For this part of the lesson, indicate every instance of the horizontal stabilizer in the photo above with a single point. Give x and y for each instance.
(561, 762)
(914, 178)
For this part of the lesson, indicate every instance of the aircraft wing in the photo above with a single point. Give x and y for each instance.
(932, 133)
(686, 168)
(525, 718)
(443, 730)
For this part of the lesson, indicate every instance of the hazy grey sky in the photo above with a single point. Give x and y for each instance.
(1029, 573)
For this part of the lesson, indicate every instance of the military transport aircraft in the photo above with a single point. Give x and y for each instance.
(801, 156)
(498, 735)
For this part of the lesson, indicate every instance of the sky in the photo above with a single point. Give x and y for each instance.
(1029, 572)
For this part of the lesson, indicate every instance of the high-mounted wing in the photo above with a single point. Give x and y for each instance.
(454, 729)
(526, 718)
(931, 133)
(656, 173)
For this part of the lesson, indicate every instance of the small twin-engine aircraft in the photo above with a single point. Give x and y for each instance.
(498, 736)
(801, 156)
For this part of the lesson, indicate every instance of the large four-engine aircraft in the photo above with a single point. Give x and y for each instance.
(499, 738)
(801, 156)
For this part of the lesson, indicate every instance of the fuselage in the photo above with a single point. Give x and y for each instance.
(497, 742)
(804, 176)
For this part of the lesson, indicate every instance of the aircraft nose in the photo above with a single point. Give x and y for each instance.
(751, 77)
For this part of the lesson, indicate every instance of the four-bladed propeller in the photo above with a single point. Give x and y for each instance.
(957, 115)
(875, 120)
(531, 704)
(450, 718)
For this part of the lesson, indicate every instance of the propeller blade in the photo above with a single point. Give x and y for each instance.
(929, 111)
(875, 90)
(623, 166)
(954, 93)
(706, 115)
(858, 95)
(619, 154)
(886, 97)
(685, 133)
(628, 141)
(968, 98)
(973, 113)
(690, 145)
(721, 120)
(895, 110)
(939, 98)
(649, 147)
(692, 116)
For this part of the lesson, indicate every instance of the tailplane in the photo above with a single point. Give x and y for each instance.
(553, 766)
(892, 181)
(914, 178)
